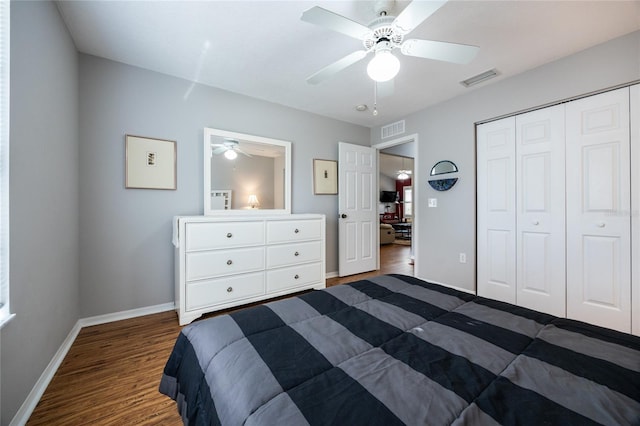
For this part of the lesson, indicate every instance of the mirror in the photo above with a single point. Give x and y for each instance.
(443, 167)
(245, 174)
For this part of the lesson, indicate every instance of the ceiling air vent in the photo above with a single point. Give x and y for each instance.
(393, 129)
(480, 78)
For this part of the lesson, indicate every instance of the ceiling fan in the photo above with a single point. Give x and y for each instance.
(230, 148)
(385, 34)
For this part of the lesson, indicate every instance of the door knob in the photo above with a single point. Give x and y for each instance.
(344, 216)
(600, 225)
(535, 222)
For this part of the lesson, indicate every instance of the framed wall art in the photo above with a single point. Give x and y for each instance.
(325, 177)
(150, 163)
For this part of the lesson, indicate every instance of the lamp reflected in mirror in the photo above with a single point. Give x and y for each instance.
(253, 201)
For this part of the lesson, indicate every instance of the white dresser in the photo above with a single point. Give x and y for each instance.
(221, 262)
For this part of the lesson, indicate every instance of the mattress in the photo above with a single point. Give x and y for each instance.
(393, 350)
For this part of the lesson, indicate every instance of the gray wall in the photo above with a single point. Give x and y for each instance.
(126, 257)
(43, 198)
(446, 131)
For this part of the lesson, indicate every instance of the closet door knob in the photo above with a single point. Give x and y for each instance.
(600, 224)
(229, 262)
(535, 222)
(229, 289)
(297, 276)
(297, 230)
(229, 235)
(296, 254)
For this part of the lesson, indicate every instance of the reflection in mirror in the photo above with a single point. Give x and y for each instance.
(245, 174)
(443, 167)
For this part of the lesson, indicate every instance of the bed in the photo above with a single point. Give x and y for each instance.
(394, 350)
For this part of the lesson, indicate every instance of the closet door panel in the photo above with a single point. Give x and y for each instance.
(599, 210)
(635, 208)
(496, 210)
(540, 235)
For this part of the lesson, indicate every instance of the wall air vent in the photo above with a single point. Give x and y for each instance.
(393, 129)
(480, 78)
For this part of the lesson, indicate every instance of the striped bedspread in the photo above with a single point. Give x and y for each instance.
(395, 350)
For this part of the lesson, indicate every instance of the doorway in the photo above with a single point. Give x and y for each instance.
(398, 204)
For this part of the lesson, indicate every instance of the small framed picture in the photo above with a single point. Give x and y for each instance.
(150, 163)
(325, 177)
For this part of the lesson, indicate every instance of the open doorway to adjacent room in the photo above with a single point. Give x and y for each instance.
(396, 207)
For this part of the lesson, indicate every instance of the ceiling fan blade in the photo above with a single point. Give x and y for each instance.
(325, 18)
(336, 67)
(242, 152)
(415, 13)
(386, 88)
(219, 150)
(440, 50)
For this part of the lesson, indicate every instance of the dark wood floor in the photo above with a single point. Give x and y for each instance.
(111, 374)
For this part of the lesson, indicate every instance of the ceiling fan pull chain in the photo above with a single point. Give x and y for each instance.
(375, 98)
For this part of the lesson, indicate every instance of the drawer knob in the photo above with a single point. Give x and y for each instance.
(297, 276)
(229, 235)
(229, 262)
(297, 230)
(229, 289)
(296, 254)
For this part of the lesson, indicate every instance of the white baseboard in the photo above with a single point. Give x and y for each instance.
(36, 393)
(122, 315)
(455, 287)
(331, 274)
(30, 403)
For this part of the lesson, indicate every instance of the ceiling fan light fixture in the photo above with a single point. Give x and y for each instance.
(230, 154)
(403, 175)
(384, 66)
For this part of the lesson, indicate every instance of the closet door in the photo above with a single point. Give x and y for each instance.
(540, 219)
(635, 208)
(496, 210)
(598, 210)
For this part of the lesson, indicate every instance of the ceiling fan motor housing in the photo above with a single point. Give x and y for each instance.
(382, 30)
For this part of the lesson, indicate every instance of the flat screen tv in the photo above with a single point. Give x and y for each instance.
(388, 196)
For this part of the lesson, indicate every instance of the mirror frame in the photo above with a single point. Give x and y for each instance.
(208, 133)
(435, 166)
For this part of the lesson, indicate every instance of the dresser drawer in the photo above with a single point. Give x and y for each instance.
(292, 254)
(205, 236)
(293, 230)
(208, 264)
(295, 276)
(223, 290)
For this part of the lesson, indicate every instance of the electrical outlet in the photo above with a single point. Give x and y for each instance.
(463, 257)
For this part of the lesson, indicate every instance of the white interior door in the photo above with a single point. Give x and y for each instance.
(357, 204)
(540, 219)
(496, 210)
(598, 210)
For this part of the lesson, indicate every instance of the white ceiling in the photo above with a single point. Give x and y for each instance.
(262, 49)
(389, 165)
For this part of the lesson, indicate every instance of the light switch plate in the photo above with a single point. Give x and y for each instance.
(433, 202)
